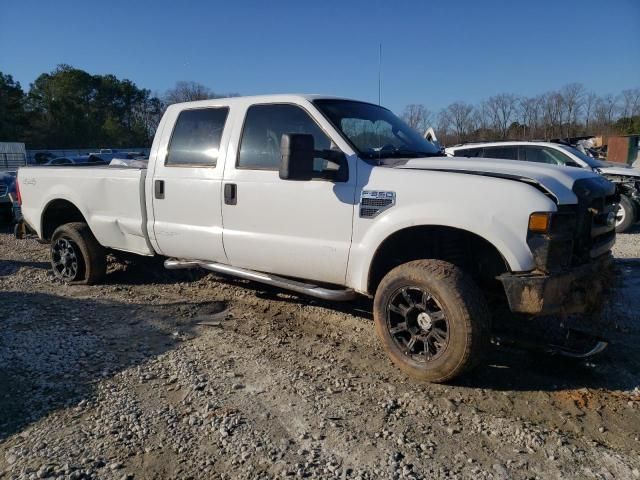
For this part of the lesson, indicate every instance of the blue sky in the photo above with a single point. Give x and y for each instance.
(434, 52)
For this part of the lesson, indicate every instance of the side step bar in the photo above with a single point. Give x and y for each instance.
(280, 282)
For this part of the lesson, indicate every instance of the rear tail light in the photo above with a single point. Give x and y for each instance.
(18, 196)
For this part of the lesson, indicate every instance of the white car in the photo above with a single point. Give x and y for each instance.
(331, 198)
(625, 177)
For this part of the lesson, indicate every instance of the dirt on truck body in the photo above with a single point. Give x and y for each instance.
(163, 374)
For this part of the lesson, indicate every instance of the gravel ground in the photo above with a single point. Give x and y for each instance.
(186, 375)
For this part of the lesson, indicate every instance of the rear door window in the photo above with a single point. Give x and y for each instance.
(196, 137)
(506, 152)
(468, 152)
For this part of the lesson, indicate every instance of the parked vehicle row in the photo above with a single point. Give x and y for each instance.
(626, 178)
(334, 198)
(104, 154)
(7, 194)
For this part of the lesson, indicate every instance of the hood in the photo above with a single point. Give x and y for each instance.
(555, 179)
(623, 170)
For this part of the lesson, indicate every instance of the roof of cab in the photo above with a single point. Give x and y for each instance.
(280, 97)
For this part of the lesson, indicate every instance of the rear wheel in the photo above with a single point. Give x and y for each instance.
(432, 320)
(76, 255)
(626, 214)
(6, 215)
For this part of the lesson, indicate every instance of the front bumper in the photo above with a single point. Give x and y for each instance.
(577, 290)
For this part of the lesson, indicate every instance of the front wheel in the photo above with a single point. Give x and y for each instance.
(432, 320)
(626, 214)
(76, 255)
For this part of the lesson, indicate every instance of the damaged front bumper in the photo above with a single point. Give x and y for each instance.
(578, 290)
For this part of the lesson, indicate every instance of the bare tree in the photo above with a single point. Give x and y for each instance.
(529, 109)
(191, 91)
(502, 110)
(552, 110)
(572, 100)
(565, 112)
(590, 101)
(444, 126)
(630, 104)
(630, 101)
(605, 111)
(482, 121)
(460, 116)
(418, 117)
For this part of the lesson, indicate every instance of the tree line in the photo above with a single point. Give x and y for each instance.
(568, 112)
(70, 108)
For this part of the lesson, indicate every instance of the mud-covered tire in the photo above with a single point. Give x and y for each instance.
(626, 215)
(456, 306)
(6, 216)
(73, 244)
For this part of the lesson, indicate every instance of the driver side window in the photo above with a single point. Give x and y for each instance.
(263, 128)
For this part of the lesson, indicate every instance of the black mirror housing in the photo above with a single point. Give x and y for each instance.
(297, 152)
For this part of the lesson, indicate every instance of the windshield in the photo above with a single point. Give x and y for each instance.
(374, 131)
(592, 162)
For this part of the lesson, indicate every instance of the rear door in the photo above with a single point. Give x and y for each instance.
(287, 227)
(186, 187)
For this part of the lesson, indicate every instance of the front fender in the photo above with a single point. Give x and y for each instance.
(502, 224)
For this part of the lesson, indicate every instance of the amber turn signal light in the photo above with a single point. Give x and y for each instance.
(540, 222)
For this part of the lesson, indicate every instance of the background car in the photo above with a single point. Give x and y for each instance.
(7, 194)
(626, 178)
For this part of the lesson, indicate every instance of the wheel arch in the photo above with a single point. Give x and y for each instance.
(58, 212)
(468, 250)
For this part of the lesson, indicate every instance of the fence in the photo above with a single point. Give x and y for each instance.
(10, 162)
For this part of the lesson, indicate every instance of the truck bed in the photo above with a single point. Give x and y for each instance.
(111, 199)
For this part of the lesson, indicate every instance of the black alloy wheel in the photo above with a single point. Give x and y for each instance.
(65, 259)
(418, 324)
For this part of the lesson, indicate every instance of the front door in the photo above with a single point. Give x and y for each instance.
(187, 186)
(294, 228)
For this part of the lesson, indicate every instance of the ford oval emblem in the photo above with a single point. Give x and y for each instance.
(611, 219)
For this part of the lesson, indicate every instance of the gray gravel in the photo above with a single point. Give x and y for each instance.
(184, 375)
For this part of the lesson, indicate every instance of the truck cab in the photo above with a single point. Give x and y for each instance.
(333, 198)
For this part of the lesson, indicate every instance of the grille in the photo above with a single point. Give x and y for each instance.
(3, 190)
(597, 200)
(372, 203)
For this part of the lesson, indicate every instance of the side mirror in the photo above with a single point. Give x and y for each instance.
(297, 152)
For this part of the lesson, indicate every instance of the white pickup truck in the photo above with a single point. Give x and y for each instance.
(332, 198)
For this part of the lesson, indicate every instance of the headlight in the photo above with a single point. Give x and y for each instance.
(550, 238)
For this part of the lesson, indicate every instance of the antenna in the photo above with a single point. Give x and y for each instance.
(379, 74)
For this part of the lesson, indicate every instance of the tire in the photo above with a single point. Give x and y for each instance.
(76, 256)
(6, 215)
(455, 329)
(626, 215)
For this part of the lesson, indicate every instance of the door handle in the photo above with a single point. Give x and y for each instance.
(158, 188)
(230, 193)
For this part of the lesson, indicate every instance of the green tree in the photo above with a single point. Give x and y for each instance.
(12, 115)
(71, 108)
